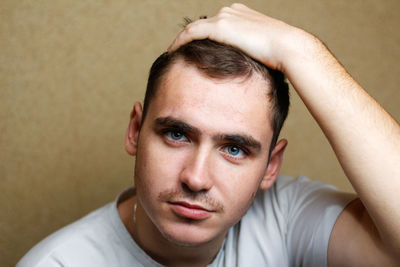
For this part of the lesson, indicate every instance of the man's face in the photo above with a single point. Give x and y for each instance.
(202, 153)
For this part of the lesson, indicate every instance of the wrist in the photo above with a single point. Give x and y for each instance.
(302, 49)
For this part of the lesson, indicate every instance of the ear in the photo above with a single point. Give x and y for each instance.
(274, 165)
(132, 133)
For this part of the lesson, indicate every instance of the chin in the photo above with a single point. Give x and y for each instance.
(184, 241)
(188, 236)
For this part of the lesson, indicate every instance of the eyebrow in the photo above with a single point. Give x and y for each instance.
(243, 140)
(175, 123)
(240, 139)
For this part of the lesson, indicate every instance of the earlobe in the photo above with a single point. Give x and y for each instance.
(274, 165)
(132, 133)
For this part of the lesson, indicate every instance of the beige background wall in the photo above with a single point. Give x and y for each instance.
(70, 72)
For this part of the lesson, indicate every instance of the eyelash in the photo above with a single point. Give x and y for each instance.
(243, 150)
(167, 131)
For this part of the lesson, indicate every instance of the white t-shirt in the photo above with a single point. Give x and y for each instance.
(287, 225)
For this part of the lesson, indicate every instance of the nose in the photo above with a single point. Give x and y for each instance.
(196, 173)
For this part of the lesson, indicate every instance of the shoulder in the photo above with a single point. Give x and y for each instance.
(298, 214)
(288, 192)
(75, 240)
(293, 199)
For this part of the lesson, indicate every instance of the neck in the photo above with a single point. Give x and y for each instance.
(149, 238)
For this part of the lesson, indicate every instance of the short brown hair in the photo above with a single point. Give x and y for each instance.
(221, 61)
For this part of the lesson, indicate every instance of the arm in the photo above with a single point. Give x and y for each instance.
(365, 138)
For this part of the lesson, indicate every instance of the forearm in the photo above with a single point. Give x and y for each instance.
(365, 138)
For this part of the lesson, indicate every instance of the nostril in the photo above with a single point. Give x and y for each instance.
(186, 188)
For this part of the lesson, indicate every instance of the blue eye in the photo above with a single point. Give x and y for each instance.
(234, 151)
(176, 135)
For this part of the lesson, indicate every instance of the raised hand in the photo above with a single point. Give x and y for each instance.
(365, 138)
(268, 40)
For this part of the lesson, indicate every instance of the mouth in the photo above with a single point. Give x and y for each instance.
(190, 211)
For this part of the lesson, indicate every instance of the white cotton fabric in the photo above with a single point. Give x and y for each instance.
(287, 225)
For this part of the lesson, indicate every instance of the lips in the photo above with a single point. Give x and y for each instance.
(190, 211)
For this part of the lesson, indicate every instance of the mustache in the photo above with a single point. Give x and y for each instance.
(204, 199)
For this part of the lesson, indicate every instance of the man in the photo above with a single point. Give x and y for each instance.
(207, 162)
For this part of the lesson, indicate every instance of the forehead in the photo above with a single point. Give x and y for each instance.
(238, 104)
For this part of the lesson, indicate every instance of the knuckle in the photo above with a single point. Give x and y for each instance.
(221, 23)
(224, 10)
(190, 29)
(237, 5)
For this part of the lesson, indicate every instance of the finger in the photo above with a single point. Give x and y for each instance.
(208, 28)
(239, 6)
(201, 29)
(197, 30)
(242, 8)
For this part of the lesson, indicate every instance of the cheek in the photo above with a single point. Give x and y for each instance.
(244, 196)
(156, 167)
(240, 187)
